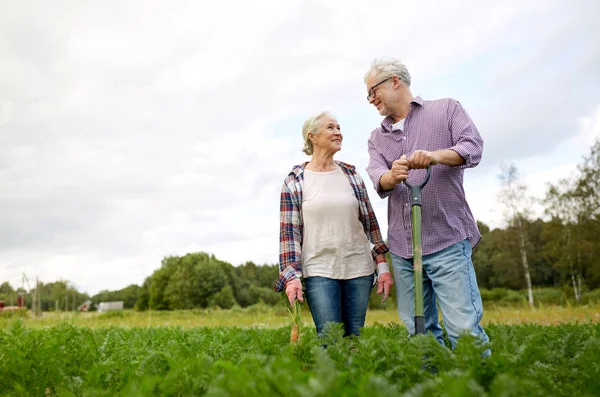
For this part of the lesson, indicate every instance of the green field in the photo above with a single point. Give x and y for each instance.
(246, 352)
(263, 316)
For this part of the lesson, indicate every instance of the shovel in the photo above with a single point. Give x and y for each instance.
(415, 198)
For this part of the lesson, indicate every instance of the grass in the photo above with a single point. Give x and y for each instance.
(261, 316)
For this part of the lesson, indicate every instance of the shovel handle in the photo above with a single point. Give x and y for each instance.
(423, 183)
(415, 201)
(415, 190)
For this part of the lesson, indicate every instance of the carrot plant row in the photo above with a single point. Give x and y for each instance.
(527, 360)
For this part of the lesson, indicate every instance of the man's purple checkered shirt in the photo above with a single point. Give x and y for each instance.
(446, 216)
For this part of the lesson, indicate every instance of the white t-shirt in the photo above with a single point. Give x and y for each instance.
(334, 243)
(399, 125)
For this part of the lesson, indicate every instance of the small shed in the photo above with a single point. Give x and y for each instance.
(110, 306)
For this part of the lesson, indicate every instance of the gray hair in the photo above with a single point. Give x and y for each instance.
(311, 125)
(388, 67)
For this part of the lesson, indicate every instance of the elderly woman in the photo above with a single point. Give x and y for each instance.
(326, 224)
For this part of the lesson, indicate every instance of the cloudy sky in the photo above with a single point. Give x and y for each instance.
(130, 131)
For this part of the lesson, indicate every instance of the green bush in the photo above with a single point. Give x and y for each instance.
(590, 297)
(259, 308)
(114, 314)
(512, 297)
(541, 296)
(14, 313)
(224, 298)
(547, 296)
(501, 296)
(493, 295)
(266, 295)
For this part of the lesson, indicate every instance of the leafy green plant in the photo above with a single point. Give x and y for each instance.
(530, 360)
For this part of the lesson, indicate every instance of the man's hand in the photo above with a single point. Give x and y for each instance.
(422, 159)
(293, 290)
(399, 170)
(396, 174)
(384, 285)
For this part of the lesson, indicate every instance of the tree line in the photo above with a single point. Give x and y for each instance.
(199, 280)
(58, 295)
(561, 251)
(195, 280)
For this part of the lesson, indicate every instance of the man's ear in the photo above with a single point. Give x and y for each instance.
(397, 82)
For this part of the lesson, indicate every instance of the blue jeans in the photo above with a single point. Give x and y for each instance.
(339, 301)
(449, 276)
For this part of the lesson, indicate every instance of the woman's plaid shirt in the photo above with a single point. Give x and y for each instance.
(291, 224)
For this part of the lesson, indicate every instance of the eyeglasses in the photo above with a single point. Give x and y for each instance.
(371, 95)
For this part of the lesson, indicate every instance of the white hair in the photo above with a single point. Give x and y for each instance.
(388, 67)
(311, 126)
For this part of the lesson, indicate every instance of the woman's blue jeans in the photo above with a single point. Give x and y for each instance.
(339, 301)
(449, 278)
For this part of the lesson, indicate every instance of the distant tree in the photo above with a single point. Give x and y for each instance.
(60, 294)
(482, 257)
(587, 195)
(181, 289)
(266, 295)
(517, 205)
(212, 277)
(587, 187)
(6, 292)
(193, 280)
(251, 275)
(143, 298)
(160, 281)
(564, 245)
(223, 299)
(127, 295)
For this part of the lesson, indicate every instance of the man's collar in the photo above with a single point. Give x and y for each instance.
(387, 123)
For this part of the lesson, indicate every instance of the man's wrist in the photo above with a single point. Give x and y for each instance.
(385, 182)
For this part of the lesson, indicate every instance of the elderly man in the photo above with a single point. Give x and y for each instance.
(415, 134)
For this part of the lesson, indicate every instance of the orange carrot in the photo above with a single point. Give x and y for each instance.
(295, 334)
(296, 323)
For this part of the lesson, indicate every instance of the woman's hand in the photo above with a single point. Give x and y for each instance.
(384, 285)
(293, 290)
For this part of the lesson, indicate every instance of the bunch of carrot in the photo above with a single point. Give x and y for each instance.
(296, 314)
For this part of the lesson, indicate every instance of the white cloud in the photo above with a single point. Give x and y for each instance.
(537, 172)
(589, 130)
(131, 131)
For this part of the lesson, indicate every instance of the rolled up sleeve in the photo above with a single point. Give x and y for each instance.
(466, 140)
(376, 169)
(290, 239)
